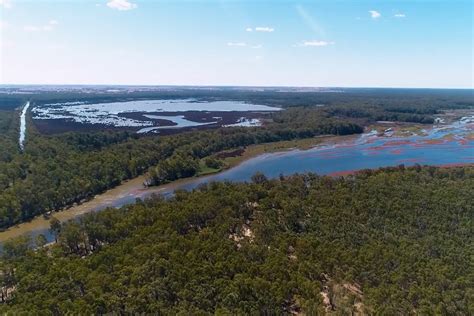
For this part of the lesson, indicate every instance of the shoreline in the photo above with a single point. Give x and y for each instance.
(344, 173)
(40, 223)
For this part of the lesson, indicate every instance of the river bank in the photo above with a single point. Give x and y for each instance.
(130, 190)
(438, 145)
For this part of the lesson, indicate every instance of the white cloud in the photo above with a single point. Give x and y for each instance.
(400, 15)
(260, 29)
(264, 29)
(121, 5)
(3, 25)
(375, 14)
(5, 4)
(315, 43)
(238, 44)
(31, 28)
(46, 28)
(257, 46)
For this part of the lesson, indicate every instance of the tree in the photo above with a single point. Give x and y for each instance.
(16, 247)
(212, 162)
(55, 227)
(40, 240)
(259, 178)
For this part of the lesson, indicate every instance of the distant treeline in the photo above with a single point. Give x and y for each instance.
(283, 97)
(394, 241)
(10, 102)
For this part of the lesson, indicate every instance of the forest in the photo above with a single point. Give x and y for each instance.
(56, 171)
(393, 241)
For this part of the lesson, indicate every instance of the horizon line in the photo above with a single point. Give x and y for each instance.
(231, 86)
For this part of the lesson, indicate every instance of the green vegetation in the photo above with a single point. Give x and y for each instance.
(394, 241)
(59, 170)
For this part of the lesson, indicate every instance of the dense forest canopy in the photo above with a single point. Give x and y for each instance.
(58, 170)
(394, 241)
(284, 97)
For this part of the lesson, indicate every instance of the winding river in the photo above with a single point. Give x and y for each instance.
(21, 139)
(446, 144)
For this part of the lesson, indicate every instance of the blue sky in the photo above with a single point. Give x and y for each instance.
(266, 43)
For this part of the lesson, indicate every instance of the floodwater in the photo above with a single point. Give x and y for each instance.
(22, 137)
(245, 122)
(108, 113)
(440, 145)
(179, 120)
(445, 145)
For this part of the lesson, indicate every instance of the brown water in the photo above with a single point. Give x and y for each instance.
(123, 194)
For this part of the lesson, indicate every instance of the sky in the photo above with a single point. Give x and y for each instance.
(238, 43)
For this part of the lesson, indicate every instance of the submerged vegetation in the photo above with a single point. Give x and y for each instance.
(393, 241)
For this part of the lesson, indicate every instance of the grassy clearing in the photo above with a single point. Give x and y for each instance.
(410, 130)
(205, 170)
(400, 129)
(259, 149)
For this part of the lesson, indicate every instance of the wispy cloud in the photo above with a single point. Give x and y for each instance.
(400, 15)
(314, 43)
(237, 44)
(309, 21)
(264, 29)
(260, 29)
(31, 28)
(38, 28)
(5, 4)
(3, 25)
(375, 14)
(121, 5)
(244, 44)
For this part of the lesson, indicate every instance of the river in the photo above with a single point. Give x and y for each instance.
(21, 139)
(448, 144)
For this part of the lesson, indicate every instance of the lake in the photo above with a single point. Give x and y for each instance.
(115, 113)
(179, 120)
